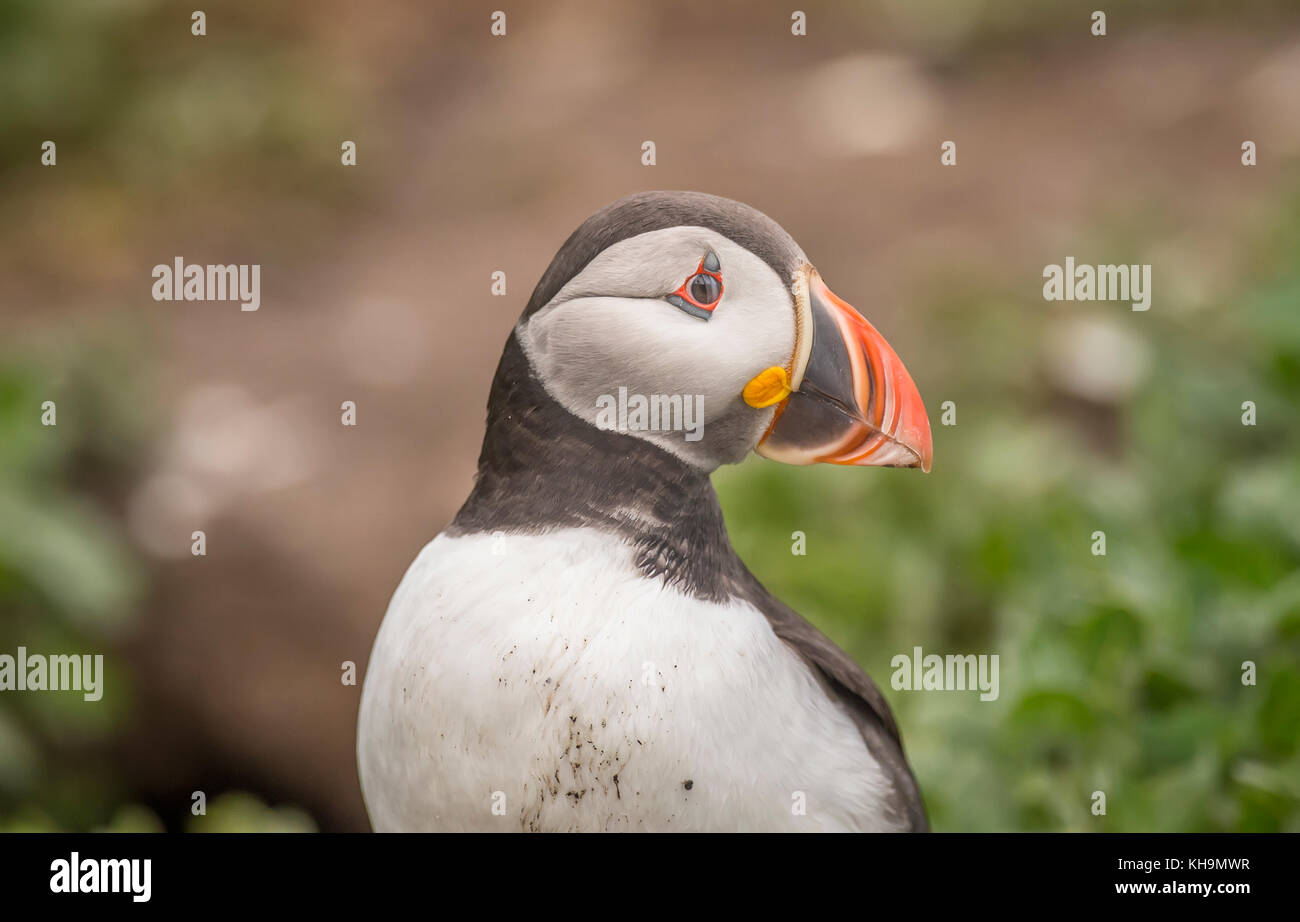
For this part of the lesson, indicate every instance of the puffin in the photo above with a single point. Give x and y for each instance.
(581, 649)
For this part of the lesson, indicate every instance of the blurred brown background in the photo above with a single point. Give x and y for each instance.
(476, 154)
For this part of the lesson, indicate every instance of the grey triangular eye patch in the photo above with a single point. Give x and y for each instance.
(711, 262)
(687, 306)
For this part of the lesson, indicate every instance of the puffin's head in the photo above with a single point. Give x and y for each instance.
(697, 323)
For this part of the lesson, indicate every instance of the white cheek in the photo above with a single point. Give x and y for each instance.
(594, 346)
(746, 335)
(609, 327)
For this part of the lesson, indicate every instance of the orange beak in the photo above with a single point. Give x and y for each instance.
(853, 402)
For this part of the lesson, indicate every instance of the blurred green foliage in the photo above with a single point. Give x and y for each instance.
(1120, 673)
(102, 78)
(240, 812)
(67, 581)
(70, 584)
(136, 118)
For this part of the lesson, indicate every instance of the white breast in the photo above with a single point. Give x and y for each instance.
(541, 683)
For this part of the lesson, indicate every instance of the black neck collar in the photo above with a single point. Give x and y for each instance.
(542, 469)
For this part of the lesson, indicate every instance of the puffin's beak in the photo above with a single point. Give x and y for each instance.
(852, 402)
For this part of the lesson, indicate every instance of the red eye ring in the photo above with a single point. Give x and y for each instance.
(684, 299)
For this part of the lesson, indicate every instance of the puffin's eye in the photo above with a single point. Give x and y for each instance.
(700, 293)
(705, 288)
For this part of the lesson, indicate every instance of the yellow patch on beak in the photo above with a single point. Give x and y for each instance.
(769, 386)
